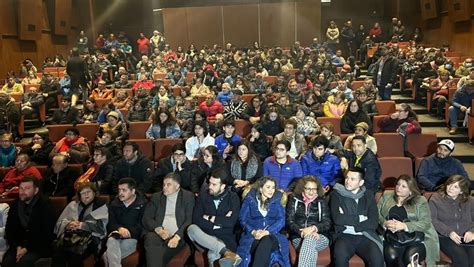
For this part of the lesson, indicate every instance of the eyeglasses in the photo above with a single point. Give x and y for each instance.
(86, 192)
(311, 189)
(178, 154)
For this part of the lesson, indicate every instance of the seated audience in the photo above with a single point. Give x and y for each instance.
(102, 92)
(361, 129)
(174, 163)
(272, 122)
(319, 162)
(86, 216)
(11, 181)
(361, 157)
(438, 167)
(354, 115)
(8, 150)
(284, 107)
(134, 165)
(404, 214)
(226, 142)
(30, 104)
(166, 218)
(124, 228)
(73, 146)
(39, 149)
(461, 104)
(306, 125)
(214, 222)
(199, 140)
(262, 217)
(297, 140)
(225, 95)
(236, 107)
(138, 112)
(163, 126)
(199, 89)
(122, 100)
(107, 141)
(283, 168)
(201, 168)
(100, 172)
(211, 107)
(335, 106)
(335, 143)
(314, 102)
(59, 179)
(66, 114)
(106, 109)
(245, 167)
(404, 121)
(342, 87)
(12, 87)
(309, 220)
(116, 125)
(454, 225)
(355, 217)
(439, 88)
(259, 142)
(163, 94)
(31, 78)
(365, 103)
(90, 111)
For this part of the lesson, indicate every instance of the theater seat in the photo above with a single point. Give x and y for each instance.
(421, 145)
(180, 259)
(444, 258)
(131, 260)
(59, 203)
(200, 258)
(392, 167)
(88, 130)
(270, 79)
(376, 123)
(137, 129)
(248, 97)
(385, 107)
(163, 147)
(242, 127)
(417, 165)
(470, 123)
(336, 122)
(146, 147)
(389, 144)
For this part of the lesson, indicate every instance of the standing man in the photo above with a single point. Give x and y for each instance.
(386, 74)
(30, 224)
(167, 216)
(124, 227)
(76, 69)
(215, 215)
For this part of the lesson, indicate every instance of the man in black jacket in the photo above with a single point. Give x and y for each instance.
(177, 163)
(166, 217)
(365, 159)
(386, 73)
(66, 114)
(355, 216)
(134, 165)
(29, 228)
(76, 69)
(59, 178)
(215, 215)
(50, 88)
(124, 227)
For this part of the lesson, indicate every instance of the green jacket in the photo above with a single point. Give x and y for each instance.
(419, 216)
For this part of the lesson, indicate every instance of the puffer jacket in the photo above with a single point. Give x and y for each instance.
(317, 214)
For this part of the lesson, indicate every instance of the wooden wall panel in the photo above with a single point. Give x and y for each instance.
(62, 17)
(308, 21)
(205, 25)
(8, 17)
(277, 24)
(29, 19)
(176, 27)
(460, 10)
(241, 25)
(429, 9)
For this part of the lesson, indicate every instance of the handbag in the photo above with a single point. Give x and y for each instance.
(76, 241)
(403, 239)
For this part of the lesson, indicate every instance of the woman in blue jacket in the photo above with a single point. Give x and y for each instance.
(262, 216)
(164, 126)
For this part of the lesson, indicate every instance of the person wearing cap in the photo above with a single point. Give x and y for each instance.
(438, 167)
(461, 103)
(361, 129)
(101, 91)
(354, 115)
(66, 114)
(236, 106)
(73, 146)
(116, 125)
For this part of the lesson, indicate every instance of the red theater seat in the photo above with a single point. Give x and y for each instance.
(392, 167)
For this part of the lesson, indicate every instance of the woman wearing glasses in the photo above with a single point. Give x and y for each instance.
(309, 220)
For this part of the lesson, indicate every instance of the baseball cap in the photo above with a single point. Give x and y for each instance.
(448, 143)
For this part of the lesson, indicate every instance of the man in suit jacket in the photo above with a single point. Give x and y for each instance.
(30, 224)
(165, 234)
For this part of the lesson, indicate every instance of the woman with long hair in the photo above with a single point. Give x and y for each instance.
(259, 142)
(309, 220)
(201, 168)
(354, 115)
(245, 168)
(452, 214)
(163, 126)
(405, 216)
(38, 149)
(403, 121)
(262, 217)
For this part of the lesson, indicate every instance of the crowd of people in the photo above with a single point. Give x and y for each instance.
(290, 182)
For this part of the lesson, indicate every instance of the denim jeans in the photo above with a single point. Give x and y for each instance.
(117, 249)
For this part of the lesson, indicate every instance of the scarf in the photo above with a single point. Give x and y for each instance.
(250, 171)
(307, 202)
(88, 176)
(65, 144)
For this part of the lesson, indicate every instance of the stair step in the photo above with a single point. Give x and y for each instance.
(426, 120)
(443, 133)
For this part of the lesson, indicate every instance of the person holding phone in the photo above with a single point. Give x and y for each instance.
(452, 213)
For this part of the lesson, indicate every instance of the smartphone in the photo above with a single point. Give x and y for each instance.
(414, 259)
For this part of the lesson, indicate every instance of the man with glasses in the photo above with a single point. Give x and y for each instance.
(296, 140)
(174, 163)
(281, 167)
(215, 215)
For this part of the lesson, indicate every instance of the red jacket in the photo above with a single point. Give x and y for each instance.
(144, 84)
(143, 45)
(13, 178)
(212, 110)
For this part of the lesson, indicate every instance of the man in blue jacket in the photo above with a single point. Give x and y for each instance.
(437, 168)
(322, 164)
(462, 100)
(226, 142)
(281, 167)
(215, 215)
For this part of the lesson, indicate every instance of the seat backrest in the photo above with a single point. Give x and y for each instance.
(270, 79)
(137, 129)
(418, 161)
(356, 84)
(392, 167)
(336, 122)
(376, 123)
(389, 144)
(56, 132)
(163, 147)
(248, 97)
(58, 203)
(100, 102)
(146, 147)
(421, 145)
(88, 130)
(385, 107)
(242, 127)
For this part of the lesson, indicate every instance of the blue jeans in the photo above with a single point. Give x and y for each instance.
(385, 93)
(453, 113)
